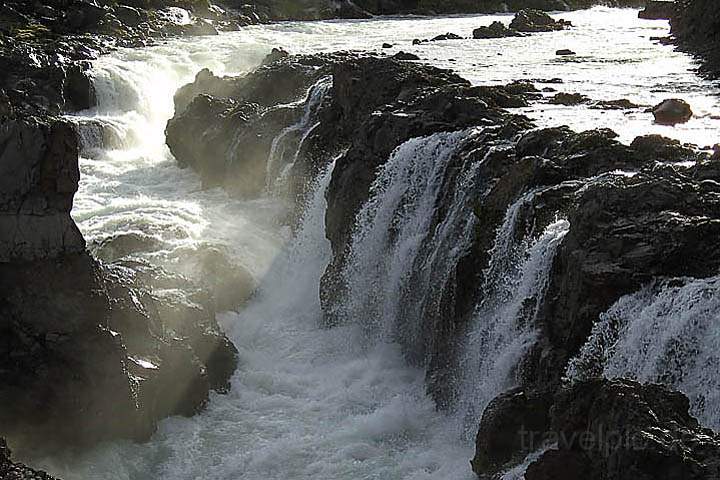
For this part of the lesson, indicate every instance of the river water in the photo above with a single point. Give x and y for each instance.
(308, 402)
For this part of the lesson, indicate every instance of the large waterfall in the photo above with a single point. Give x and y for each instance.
(351, 402)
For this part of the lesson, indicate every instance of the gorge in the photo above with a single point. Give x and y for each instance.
(335, 263)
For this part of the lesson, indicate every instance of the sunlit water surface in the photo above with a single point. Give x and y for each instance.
(307, 402)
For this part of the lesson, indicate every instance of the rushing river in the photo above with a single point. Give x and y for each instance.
(308, 402)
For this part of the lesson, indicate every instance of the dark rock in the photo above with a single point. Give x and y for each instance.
(620, 104)
(569, 99)
(565, 52)
(658, 10)
(599, 429)
(130, 16)
(387, 45)
(495, 30)
(531, 21)
(694, 27)
(101, 356)
(446, 36)
(512, 426)
(657, 147)
(672, 112)
(406, 56)
(38, 177)
(623, 430)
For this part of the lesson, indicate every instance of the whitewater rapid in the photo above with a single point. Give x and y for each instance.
(341, 403)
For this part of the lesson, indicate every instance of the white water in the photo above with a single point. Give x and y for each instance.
(666, 333)
(390, 231)
(503, 326)
(293, 137)
(329, 404)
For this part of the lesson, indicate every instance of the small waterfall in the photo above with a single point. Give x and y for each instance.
(665, 333)
(292, 138)
(392, 228)
(503, 330)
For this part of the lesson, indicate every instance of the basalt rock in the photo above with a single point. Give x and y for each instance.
(598, 429)
(248, 112)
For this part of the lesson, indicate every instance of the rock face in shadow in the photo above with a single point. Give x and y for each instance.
(38, 177)
(695, 27)
(88, 351)
(598, 429)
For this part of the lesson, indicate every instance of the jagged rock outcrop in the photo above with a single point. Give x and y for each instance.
(239, 118)
(88, 351)
(598, 429)
(695, 25)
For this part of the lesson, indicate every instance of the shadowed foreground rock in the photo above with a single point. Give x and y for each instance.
(599, 429)
(88, 351)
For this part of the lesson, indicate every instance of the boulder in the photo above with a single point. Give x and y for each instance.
(569, 99)
(622, 430)
(495, 30)
(565, 52)
(597, 429)
(529, 20)
(672, 112)
(512, 426)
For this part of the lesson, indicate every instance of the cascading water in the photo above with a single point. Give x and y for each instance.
(390, 231)
(318, 403)
(291, 139)
(503, 327)
(665, 333)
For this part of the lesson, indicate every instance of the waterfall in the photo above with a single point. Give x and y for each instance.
(292, 138)
(503, 329)
(391, 229)
(665, 333)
